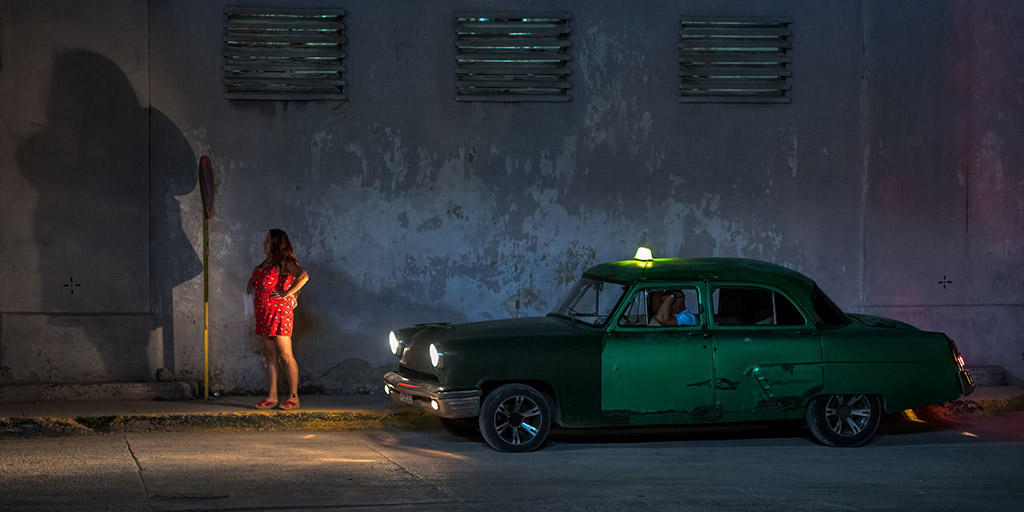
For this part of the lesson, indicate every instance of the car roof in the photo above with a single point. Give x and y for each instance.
(700, 269)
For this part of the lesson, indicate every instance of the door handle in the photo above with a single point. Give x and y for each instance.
(807, 333)
(704, 334)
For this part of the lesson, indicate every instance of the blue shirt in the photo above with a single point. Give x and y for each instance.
(686, 318)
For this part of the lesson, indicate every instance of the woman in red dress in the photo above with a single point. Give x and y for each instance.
(274, 285)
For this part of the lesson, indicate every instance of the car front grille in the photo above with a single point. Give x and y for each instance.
(409, 373)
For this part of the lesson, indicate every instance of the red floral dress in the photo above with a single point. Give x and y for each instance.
(273, 316)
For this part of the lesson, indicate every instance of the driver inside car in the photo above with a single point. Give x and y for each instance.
(673, 312)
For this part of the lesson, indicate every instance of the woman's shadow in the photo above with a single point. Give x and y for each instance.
(96, 153)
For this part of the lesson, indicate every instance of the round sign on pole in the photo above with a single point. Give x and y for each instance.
(206, 186)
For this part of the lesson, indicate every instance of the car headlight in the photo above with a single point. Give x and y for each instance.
(435, 356)
(393, 342)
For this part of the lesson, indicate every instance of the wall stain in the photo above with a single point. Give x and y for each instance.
(429, 224)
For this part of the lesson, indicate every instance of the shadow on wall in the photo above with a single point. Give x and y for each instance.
(90, 166)
(173, 258)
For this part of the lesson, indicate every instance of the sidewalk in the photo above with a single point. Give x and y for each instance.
(318, 413)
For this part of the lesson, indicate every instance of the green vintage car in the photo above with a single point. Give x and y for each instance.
(675, 341)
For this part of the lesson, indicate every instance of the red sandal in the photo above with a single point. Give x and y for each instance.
(290, 404)
(266, 404)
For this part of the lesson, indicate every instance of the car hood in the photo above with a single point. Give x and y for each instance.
(456, 339)
(518, 328)
(878, 321)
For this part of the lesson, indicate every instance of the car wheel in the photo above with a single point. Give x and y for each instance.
(515, 418)
(844, 420)
(461, 427)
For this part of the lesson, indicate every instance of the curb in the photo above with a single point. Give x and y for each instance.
(256, 421)
(984, 402)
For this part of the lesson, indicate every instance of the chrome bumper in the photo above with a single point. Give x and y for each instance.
(432, 398)
(966, 382)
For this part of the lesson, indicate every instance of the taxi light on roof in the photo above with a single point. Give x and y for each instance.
(643, 254)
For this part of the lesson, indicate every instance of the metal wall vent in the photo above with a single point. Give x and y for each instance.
(512, 57)
(284, 54)
(734, 60)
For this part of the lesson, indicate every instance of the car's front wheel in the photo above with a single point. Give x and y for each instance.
(844, 420)
(515, 418)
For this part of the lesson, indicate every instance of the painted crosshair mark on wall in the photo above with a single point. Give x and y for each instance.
(945, 281)
(71, 285)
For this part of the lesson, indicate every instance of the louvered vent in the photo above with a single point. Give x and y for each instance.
(512, 57)
(284, 54)
(734, 60)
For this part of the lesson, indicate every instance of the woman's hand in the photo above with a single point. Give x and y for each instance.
(301, 278)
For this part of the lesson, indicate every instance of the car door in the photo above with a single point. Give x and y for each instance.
(767, 354)
(652, 373)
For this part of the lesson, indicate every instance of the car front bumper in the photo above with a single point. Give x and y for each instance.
(432, 398)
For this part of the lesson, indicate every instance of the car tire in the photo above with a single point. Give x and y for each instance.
(460, 427)
(515, 418)
(844, 420)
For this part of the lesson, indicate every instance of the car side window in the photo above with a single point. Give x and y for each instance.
(738, 305)
(635, 314)
(642, 309)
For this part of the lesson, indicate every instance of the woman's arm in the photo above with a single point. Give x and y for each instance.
(251, 285)
(300, 280)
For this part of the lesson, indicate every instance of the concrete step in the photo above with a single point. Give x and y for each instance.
(987, 400)
(989, 376)
(22, 393)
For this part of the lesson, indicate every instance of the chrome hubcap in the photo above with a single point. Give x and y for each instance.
(847, 415)
(517, 420)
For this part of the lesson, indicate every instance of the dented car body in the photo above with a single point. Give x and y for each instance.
(756, 342)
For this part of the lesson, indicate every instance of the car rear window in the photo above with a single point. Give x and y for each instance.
(827, 310)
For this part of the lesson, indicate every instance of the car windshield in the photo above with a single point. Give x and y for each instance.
(591, 301)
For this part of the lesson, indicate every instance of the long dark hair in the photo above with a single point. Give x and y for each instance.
(281, 252)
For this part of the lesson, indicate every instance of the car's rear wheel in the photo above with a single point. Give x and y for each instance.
(515, 418)
(844, 420)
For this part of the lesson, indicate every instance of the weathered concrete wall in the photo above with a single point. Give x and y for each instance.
(407, 206)
(74, 186)
(893, 168)
(944, 181)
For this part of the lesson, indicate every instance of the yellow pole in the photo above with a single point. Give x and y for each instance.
(206, 308)
(207, 188)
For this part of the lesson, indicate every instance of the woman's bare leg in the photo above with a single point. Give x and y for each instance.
(291, 368)
(270, 354)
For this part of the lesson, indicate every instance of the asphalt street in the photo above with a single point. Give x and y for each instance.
(932, 464)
